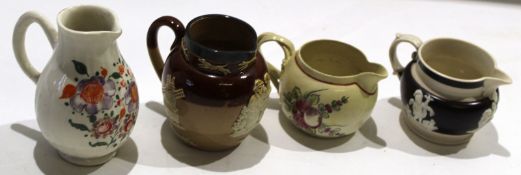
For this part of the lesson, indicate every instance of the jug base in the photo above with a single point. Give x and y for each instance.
(434, 137)
(87, 161)
(201, 147)
(344, 135)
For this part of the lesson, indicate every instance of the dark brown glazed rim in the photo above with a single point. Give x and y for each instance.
(218, 56)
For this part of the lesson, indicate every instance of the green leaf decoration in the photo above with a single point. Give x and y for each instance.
(322, 108)
(115, 75)
(336, 108)
(80, 67)
(314, 99)
(92, 118)
(79, 126)
(111, 113)
(345, 99)
(98, 144)
(112, 140)
(296, 92)
(313, 92)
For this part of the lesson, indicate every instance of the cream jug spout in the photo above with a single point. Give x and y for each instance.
(368, 80)
(493, 81)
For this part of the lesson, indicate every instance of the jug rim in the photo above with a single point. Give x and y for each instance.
(221, 55)
(310, 68)
(369, 87)
(115, 28)
(468, 83)
(411, 81)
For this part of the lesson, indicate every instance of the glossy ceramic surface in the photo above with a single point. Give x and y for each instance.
(328, 88)
(453, 69)
(439, 120)
(449, 89)
(215, 83)
(86, 96)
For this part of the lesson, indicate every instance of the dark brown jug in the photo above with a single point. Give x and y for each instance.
(215, 82)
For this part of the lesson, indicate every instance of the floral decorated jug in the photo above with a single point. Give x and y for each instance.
(86, 96)
(327, 88)
(215, 82)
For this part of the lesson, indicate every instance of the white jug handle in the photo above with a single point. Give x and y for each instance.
(415, 41)
(287, 47)
(19, 41)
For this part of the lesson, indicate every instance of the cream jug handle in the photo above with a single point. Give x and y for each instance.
(287, 47)
(19, 41)
(415, 41)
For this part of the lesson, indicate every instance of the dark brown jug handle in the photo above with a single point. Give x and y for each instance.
(153, 50)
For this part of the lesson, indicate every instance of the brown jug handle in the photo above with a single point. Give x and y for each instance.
(287, 47)
(395, 63)
(153, 50)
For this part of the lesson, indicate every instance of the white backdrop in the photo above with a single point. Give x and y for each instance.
(382, 146)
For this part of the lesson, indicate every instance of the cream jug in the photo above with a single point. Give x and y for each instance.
(327, 88)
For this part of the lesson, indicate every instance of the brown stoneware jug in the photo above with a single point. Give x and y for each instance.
(215, 82)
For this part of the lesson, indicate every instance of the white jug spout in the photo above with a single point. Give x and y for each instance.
(496, 79)
(93, 26)
(107, 38)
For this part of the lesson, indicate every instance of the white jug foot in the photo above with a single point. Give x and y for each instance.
(87, 161)
(435, 137)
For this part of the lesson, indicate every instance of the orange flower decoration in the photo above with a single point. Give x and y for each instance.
(92, 93)
(68, 91)
(122, 113)
(121, 69)
(104, 72)
(133, 93)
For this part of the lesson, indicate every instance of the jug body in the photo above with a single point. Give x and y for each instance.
(215, 83)
(213, 112)
(446, 89)
(440, 120)
(328, 88)
(86, 96)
